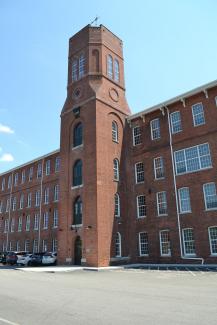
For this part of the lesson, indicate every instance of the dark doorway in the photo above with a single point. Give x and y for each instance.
(78, 251)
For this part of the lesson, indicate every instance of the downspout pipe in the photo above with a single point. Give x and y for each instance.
(176, 195)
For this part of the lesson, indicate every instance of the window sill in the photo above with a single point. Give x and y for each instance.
(76, 226)
(119, 258)
(116, 180)
(213, 255)
(78, 147)
(163, 215)
(143, 217)
(159, 179)
(115, 141)
(212, 209)
(187, 212)
(78, 186)
(199, 124)
(143, 255)
(195, 171)
(165, 255)
(190, 255)
(137, 183)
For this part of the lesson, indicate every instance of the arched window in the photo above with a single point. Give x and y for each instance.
(110, 66)
(78, 135)
(77, 211)
(117, 205)
(74, 70)
(118, 245)
(81, 66)
(95, 54)
(116, 169)
(116, 70)
(114, 131)
(77, 173)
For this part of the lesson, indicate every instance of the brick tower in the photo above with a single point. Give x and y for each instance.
(92, 127)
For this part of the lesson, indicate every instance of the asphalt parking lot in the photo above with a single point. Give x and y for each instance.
(123, 296)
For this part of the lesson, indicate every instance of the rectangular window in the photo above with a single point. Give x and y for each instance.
(30, 174)
(29, 200)
(9, 181)
(158, 168)
(143, 244)
(161, 203)
(45, 223)
(139, 172)
(54, 245)
(6, 226)
(165, 243)
(184, 200)
(37, 198)
(210, 196)
(23, 177)
(39, 170)
(137, 135)
(175, 121)
(28, 223)
(10, 246)
(155, 129)
(44, 245)
(35, 246)
(188, 241)
(14, 203)
(7, 205)
(47, 167)
(55, 218)
(12, 224)
(81, 66)
(57, 164)
(21, 201)
(141, 206)
(213, 240)
(192, 159)
(18, 247)
(36, 221)
(1, 206)
(3, 184)
(198, 114)
(27, 245)
(16, 176)
(46, 195)
(20, 220)
(56, 193)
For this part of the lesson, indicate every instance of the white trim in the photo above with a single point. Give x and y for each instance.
(208, 209)
(194, 116)
(142, 232)
(187, 254)
(210, 245)
(119, 243)
(172, 126)
(135, 170)
(137, 206)
(161, 253)
(180, 209)
(151, 125)
(155, 174)
(77, 186)
(136, 127)
(78, 147)
(158, 212)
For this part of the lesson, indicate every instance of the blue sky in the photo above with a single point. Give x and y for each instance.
(169, 46)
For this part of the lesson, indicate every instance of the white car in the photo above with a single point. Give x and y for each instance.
(49, 258)
(23, 258)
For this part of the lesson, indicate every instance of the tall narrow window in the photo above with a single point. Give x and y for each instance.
(198, 114)
(117, 205)
(20, 221)
(28, 222)
(210, 196)
(18, 246)
(55, 218)
(36, 221)
(54, 245)
(16, 177)
(141, 206)
(114, 131)
(56, 193)
(116, 70)
(77, 212)
(81, 66)
(165, 243)
(158, 168)
(21, 201)
(184, 200)
(110, 66)
(14, 203)
(30, 174)
(47, 167)
(213, 240)
(35, 246)
(78, 135)
(139, 172)
(44, 245)
(9, 181)
(143, 244)
(175, 120)
(137, 135)
(6, 225)
(12, 224)
(77, 173)
(161, 203)
(46, 195)
(23, 176)
(27, 245)
(39, 170)
(188, 240)
(37, 198)
(57, 164)
(29, 200)
(45, 221)
(3, 184)
(74, 70)
(116, 169)
(118, 245)
(155, 129)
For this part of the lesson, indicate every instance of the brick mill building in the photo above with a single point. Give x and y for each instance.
(122, 188)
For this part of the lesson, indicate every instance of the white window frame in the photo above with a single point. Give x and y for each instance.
(54, 245)
(159, 168)
(3, 183)
(56, 192)
(12, 224)
(114, 131)
(27, 245)
(211, 240)
(55, 218)
(16, 179)
(155, 129)
(20, 224)
(30, 174)
(118, 235)
(161, 203)
(45, 220)
(36, 222)
(116, 170)
(74, 70)
(28, 222)
(193, 240)
(6, 226)
(81, 66)
(181, 199)
(29, 200)
(205, 198)
(216, 101)
(21, 201)
(44, 245)
(39, 170)
(165, 242)
(57, 164)
(14, 203)
(193, 114)
(117, 205)
(138, 173)
(145, 243)
(140, 207)
(23, 176)
(137, 135)
(37, 198)
(47, 167)
(35, 247)
(110, 66)
(46, 195)
(116, 70)
(174, 123)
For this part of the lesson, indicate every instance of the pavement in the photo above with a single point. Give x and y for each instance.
(116, 296)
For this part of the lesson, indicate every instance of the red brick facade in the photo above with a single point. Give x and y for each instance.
(105, 216)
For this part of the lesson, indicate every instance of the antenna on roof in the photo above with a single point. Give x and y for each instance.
(95, 21)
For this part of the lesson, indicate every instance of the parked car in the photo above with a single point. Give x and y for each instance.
(36, 259)
(23, 258)
(3, 257)
(49, 258)
(11, 258)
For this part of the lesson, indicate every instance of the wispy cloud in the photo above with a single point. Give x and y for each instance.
(6, 157)
(6, 129)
